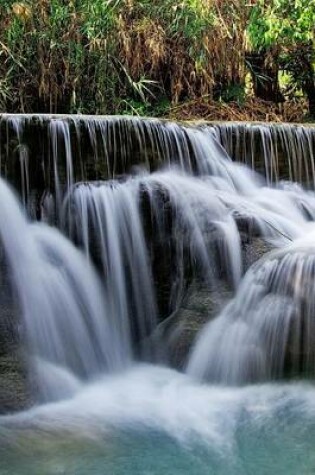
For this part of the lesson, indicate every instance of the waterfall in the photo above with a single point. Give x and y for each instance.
(279, 151)
(269, 327)
(163, 286)
(138, 211)
(62, 150)
(63, 306)
(108, 218)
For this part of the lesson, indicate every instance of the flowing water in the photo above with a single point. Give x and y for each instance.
(87, 288)
(153, 420)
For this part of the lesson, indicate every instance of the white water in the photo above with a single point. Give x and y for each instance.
(275, 149)
(156, 398)
(70, 148)
(154, 420)
(80, 325)
(269, 323)
(76, 321)
(61, 299)
(112, 214)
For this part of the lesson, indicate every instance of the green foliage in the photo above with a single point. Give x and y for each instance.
(99, 18)
(234, 93)
(281, 23)
(192, 18)
(284, 31)
(95, 56)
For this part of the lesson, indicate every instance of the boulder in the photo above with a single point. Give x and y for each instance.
(253, 248)
(14, 388)
(174, 337)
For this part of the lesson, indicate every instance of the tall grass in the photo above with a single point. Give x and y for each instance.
(116, 56)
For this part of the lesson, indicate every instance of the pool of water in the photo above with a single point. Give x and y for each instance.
(152, 421)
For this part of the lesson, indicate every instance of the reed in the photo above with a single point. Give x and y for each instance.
(140, 57)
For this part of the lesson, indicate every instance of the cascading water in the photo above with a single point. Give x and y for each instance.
(176, 211)
(268, 326)
(112, 214)
(62, 304)
(63, 149)
(277, 150)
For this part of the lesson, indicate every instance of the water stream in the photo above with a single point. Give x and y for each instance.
(87, 280)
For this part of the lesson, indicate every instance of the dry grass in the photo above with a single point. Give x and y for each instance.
(118, 56)
(252, 110)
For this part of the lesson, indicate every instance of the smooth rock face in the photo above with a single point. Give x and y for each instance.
(14, 389)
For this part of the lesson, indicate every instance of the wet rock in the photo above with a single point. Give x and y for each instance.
(14, 390)
(253, 248)
(175, 336)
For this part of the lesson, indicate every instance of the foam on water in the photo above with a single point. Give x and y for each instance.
(122, 423)
(155, 398)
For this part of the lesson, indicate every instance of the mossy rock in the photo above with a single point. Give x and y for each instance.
(15, 393)
(176, 335)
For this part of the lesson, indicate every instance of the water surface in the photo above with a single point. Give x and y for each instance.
(152, 420)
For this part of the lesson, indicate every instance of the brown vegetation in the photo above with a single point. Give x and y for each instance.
(252, 110)
(145, 57)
